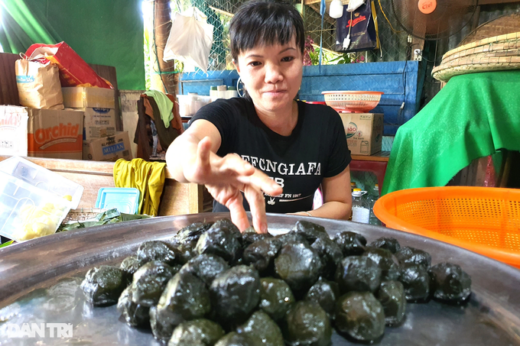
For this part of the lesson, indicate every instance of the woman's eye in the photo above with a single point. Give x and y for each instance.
(255, 63)
(288, 58)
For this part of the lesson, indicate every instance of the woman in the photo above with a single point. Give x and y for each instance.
(273, 149)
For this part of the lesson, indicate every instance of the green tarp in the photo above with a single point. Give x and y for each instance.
(104, 32)
(473, 116)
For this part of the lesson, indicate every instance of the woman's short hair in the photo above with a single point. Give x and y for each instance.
(265, 23)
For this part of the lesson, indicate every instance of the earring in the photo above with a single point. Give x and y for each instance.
(240, 88)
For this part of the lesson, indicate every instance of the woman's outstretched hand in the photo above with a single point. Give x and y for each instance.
(226, 177)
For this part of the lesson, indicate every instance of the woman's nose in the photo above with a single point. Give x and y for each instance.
(273, 74)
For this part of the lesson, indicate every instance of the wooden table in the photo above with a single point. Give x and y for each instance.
(382, 156)
(177, 198)
(376, 164)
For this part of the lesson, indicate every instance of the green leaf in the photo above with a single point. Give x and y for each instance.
(115, 220)
(7, 244)
(94, 223)
(130, 217)
(70, 226)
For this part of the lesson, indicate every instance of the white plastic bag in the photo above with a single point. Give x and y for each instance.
(354, 5)
(190, 39)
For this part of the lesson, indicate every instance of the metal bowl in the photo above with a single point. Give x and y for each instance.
(40, 284)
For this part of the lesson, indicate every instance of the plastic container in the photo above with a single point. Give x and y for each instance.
(481, 219)
(27, 212)
(190, 104)
(221, 91)
(213, 93)
(184, 106)
(192, 100)
(200, 102)
(231, 92)
(353, 101)
(373, 197)
(360, 207)
(126, 200)
(43, 179)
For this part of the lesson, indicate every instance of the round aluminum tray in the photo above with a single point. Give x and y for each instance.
(39, 283)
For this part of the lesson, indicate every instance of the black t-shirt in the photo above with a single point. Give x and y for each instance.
(316, 149)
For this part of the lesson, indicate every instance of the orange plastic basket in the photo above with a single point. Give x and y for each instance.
(352, 101)
(481, 219)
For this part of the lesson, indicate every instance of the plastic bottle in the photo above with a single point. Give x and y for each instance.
(352, 186)
(192, 99)
(221, 91)
(231, 92)
(360, 207)
(213, 93)
(372, 198)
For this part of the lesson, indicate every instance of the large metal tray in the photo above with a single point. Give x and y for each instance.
(39, 283)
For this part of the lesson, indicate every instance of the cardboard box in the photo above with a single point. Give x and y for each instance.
(364, 132)
(108, 149)
(41, 132)
(55, 134)
(79, 97)
(99, 123)
(13, 130)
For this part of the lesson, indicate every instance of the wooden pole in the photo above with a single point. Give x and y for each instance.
(164, 77)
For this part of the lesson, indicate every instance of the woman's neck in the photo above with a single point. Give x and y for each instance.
(283, 121)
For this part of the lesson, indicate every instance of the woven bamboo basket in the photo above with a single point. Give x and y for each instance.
(489, 42)
(499, 26)
(494, 50)
(491, 54)
(465, 66)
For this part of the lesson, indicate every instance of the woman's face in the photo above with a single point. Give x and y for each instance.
(271, 74)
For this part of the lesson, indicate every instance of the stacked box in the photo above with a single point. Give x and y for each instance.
(41, 132)
(108, 149)
(13, 130)
(364, 132)
(98, 105)
(79, 97)
(99, 123)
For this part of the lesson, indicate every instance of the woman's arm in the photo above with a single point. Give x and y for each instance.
(337, 198)
(192, 158)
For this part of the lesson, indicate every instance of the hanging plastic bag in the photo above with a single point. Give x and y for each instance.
(357, 31)
(190, 40)
(38, 84)
(354, 5)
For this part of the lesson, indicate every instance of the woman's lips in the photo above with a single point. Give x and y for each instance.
(275, 92)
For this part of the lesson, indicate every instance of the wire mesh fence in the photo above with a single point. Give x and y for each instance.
(220, 12)
(393, 39)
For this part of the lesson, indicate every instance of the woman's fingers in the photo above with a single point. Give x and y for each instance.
(233, 164)
(203, 152)
(201, 170)
(262, 182)
(238, 213)
(226, 177)
(256, 201)
(232, 198)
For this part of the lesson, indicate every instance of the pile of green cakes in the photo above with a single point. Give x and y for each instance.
(212, 285)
